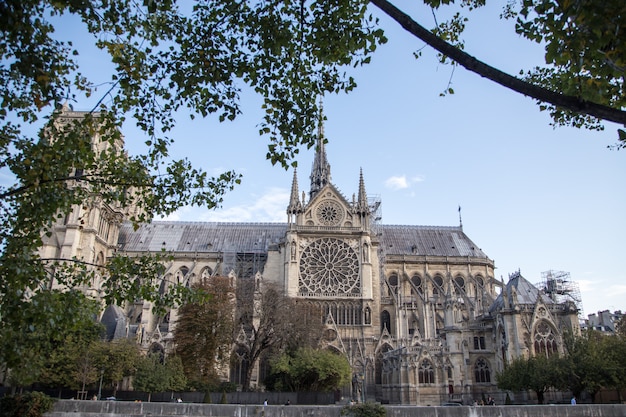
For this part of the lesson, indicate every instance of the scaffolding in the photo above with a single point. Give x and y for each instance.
(560, 288)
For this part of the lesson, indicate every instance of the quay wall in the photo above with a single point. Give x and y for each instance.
(75, 408)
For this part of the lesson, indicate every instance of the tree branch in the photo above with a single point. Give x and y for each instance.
(571, 103)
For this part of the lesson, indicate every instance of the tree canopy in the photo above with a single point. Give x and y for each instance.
(309, 369)
(591, 362)
(270, 324)
(165, 59)
(537, 373)
(204, 332)
(155, 376)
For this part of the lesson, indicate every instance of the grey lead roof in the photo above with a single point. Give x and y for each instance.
(526, 292)
(259, 237)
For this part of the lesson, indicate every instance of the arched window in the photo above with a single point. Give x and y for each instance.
(385, 321)
(545, 340)
(426, 373)
(438, 285)
(393, 283)
(379, 363)
(482, 374)
(417, 283)
(460, 282)
(240, 364)
(480, 281)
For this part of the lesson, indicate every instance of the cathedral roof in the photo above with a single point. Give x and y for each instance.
(520, 291)
(259, 237)
(200, 237)
(428, 241)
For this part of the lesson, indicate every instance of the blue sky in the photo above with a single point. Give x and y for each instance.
(533, 197)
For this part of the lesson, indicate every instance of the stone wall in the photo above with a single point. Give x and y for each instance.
(69, 408)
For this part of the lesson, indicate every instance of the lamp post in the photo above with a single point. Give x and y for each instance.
(100, 386)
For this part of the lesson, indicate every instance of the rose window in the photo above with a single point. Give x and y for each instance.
(329, 213)
(329, 267)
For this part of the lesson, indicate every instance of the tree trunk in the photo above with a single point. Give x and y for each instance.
(539, 397)
(248, 377)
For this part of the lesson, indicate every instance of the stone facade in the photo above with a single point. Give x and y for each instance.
(417, 310)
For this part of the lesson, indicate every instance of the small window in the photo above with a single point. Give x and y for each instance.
(417, 283)
(479, 342)
(385, 321)
(460, 282)
(439, 281)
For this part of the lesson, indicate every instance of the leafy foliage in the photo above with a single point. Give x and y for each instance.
(584, 44)
(364, 410)
(204, 332)
(115, 360)
(537, 373)
(273, 323)
(309, 369)
(30, 404)
(165, 60)
(155, 376)
(592, 362)
(69, 329)
(595, 361)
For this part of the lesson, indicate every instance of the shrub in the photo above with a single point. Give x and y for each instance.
(30, 404)
(364, 410)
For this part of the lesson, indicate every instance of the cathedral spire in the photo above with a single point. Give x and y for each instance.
(295, 205)
(320, 172)
(363, 205)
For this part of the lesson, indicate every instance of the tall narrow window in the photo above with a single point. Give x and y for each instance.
(393, 283)
(481, 371)
(426, 373)
(385, 321)
(479, 342)
(545, 340)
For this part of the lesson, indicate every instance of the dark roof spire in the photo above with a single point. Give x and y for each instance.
(320, 172)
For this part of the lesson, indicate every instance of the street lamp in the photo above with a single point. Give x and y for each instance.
(100, 386)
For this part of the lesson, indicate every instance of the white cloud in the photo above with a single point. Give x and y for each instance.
(397, 183)
(402, 182)
(269, 207)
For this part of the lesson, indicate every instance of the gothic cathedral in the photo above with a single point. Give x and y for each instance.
(417, 310)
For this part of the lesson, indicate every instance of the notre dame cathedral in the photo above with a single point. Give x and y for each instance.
(417, 310)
